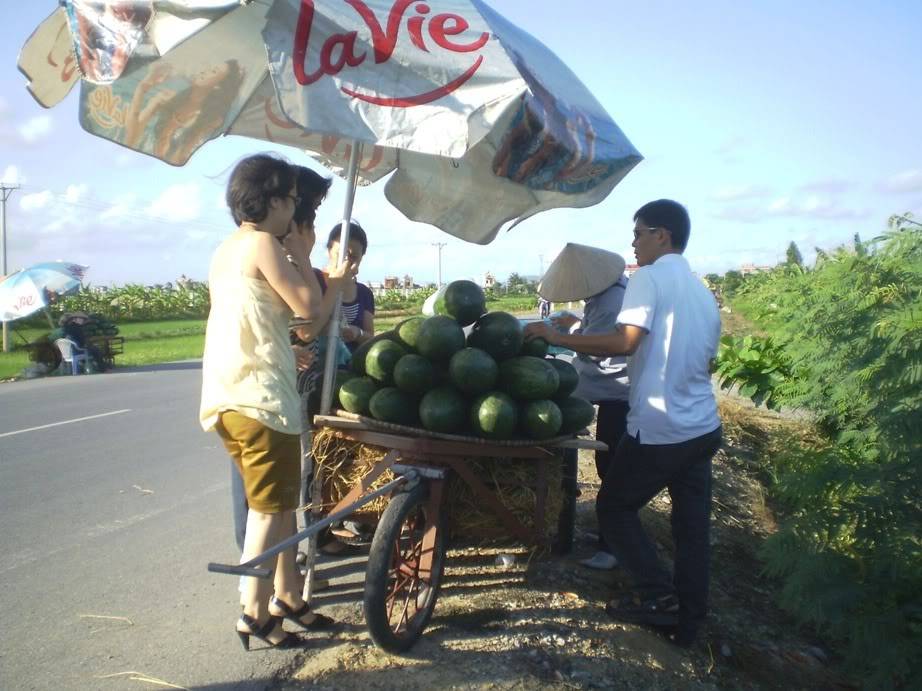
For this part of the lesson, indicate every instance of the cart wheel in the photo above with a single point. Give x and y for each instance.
(399, 593)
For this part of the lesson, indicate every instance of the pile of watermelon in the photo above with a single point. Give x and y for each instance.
(491, 384)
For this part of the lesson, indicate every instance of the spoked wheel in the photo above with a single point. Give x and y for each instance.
(404, 569)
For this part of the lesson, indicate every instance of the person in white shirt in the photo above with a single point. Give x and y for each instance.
(669, 326)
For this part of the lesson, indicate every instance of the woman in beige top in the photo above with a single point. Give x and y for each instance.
(248, 378)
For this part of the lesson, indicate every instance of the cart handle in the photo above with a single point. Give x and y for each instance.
(251, 567)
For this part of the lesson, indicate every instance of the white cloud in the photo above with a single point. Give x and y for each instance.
(732, 193)
(907, 181)
(177, 203)
(36, 200)
(810, 206)
(35, 127)
(121, 208)
(827, 186)
(12, 176)
(74, 193)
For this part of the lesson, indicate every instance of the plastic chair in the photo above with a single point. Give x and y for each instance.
(74, 354)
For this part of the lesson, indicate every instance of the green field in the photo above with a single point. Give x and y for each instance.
(148, 343)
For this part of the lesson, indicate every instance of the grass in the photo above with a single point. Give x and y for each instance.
(149, 343)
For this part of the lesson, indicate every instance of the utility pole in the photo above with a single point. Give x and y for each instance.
(5, 192)
(540, 265)
(440, 245)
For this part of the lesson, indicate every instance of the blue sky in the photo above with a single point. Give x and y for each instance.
(771, 121)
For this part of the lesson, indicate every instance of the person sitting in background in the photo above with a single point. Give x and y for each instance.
(596, 276)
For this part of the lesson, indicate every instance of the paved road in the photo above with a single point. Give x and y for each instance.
(106, 526)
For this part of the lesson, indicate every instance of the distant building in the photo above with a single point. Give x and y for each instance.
(748, 269)
(630, 268)
(391, 283)
(489, 280)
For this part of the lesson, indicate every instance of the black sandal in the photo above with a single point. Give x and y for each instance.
(262, 633)
(318, 623)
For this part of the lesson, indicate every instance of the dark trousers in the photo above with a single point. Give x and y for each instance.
(610, 425)
(635, 475)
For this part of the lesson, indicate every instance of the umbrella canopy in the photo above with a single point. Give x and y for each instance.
(28, 290)
(482, 123)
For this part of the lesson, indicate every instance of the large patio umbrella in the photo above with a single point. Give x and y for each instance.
(29, 290)
(481, 124)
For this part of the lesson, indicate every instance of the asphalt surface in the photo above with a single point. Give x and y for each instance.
(106, 527)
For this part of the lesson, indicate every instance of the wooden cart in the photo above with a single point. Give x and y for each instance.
(408, 550)
(409, 546)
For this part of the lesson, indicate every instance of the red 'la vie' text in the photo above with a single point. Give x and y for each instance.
(339, 50)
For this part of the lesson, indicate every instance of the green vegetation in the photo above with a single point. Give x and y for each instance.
(845, 343)
(167, 322)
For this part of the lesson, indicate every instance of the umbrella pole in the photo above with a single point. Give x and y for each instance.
(326, 396)
(48, 317)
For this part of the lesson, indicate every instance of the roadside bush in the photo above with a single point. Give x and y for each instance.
(848, 550)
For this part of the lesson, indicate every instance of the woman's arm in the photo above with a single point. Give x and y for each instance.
(270, 260)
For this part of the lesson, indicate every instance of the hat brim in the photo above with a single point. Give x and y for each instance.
(579, 272)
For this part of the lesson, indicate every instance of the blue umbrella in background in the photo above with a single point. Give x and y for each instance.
(29, 290)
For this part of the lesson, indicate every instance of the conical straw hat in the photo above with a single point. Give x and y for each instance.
(579, 272)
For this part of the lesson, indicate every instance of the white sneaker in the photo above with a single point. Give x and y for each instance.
(603, 561)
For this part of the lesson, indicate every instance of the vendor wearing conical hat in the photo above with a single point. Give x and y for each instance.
(597, 276)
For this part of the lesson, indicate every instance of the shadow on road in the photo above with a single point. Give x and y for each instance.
(161, 367)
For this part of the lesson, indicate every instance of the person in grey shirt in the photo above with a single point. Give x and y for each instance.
(597, 276)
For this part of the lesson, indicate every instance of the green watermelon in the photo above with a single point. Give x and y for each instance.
(408, 331)
(413, 374)
(494, 415)
(541, 419)
(528, 378)
(577, 413)
(463, 300)
(569, 377)
(341, 377)
(393, 405)
(357, 363)
(355, 394)
(498, 333)
(536, 347)
(439, 338)
(381, 359)
(473, 371)
(444, 410)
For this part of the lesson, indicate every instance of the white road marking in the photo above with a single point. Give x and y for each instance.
(64, 422)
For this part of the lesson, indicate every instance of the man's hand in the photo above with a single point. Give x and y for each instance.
(541, 330)
(565, 321)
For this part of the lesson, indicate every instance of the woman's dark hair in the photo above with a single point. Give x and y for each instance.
(355, 233)
(670, 215)
(254, 181)
(311, 187)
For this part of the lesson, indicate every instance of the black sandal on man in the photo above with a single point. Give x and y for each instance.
(652, 611)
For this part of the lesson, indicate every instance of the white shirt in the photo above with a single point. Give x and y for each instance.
(671, 397)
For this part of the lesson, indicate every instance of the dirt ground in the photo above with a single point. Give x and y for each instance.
(540, 623)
